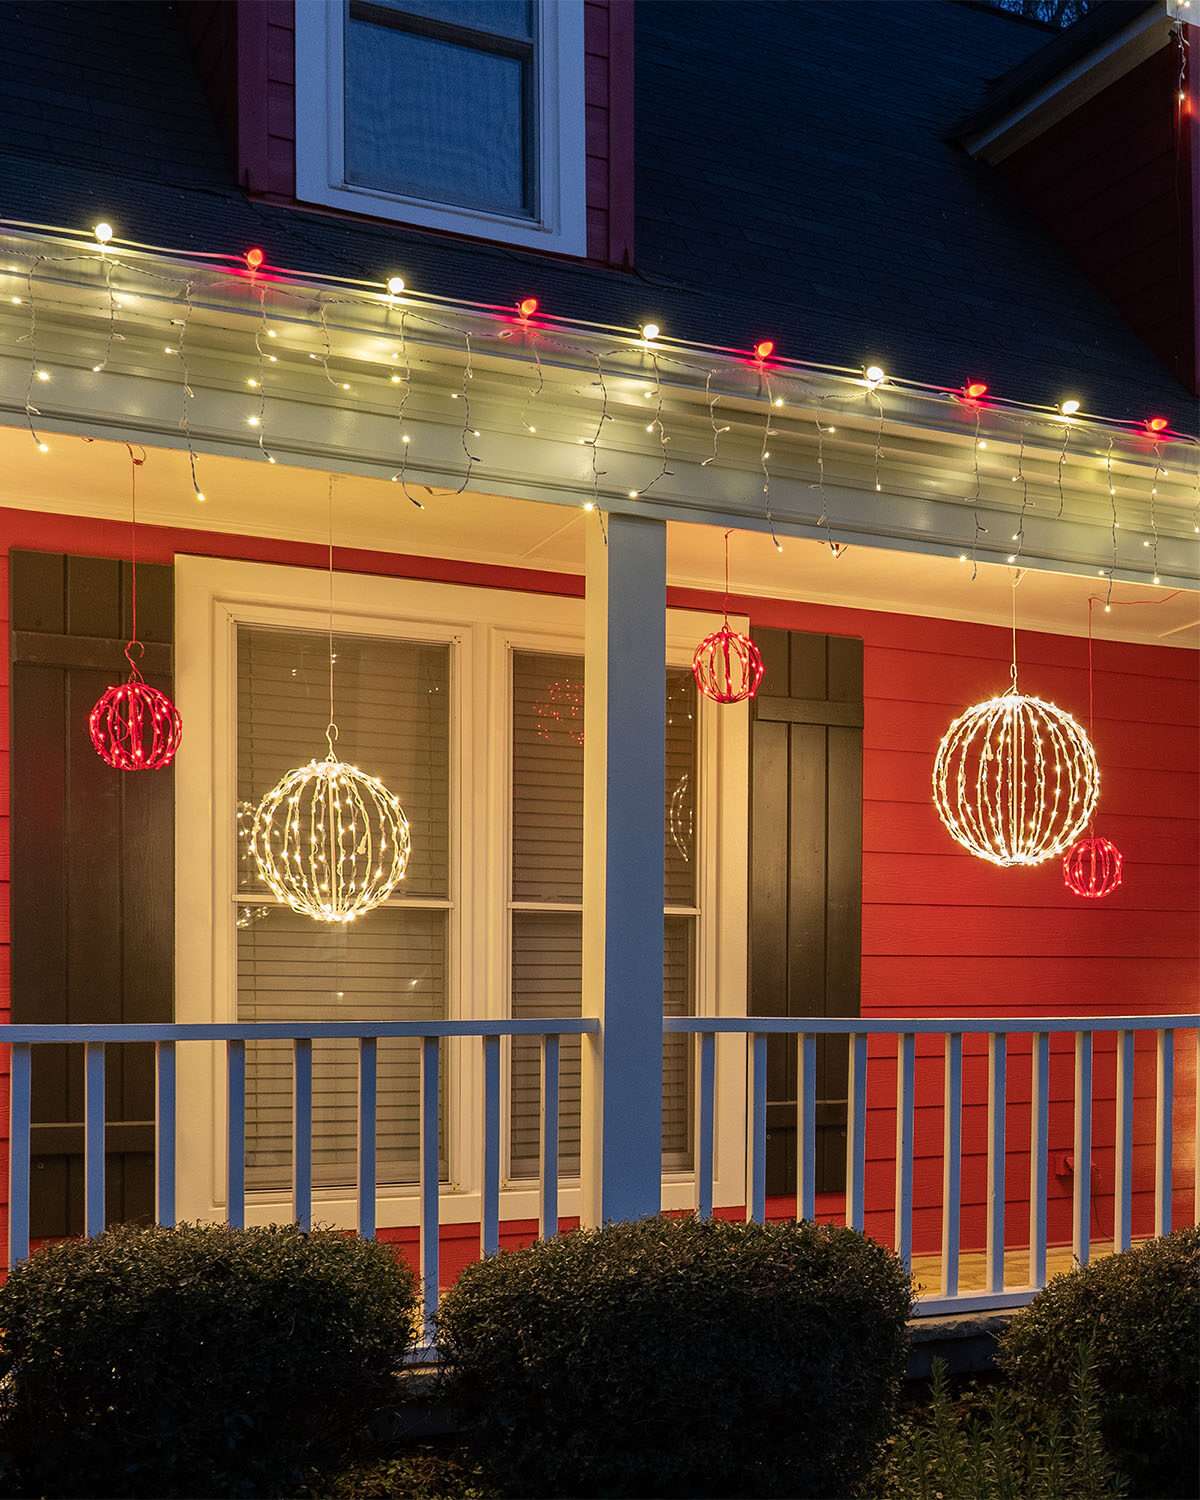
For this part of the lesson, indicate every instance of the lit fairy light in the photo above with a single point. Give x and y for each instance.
(681, 817)
(561, 710)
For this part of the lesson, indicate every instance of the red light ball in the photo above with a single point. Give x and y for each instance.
(727, 666)
(254, 259)
(976, 389)
(1092, 867)
(527, 306)
(765, 349)
(134, 727)
(1157, 424)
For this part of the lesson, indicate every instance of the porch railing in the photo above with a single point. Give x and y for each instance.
(864, 1067)
(876, 1048)
(368, 1035)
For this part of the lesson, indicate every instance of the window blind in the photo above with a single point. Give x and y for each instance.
(392, 702)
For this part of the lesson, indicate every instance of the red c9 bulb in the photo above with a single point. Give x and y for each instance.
(1157, 424)
(764, 349)
(976, 389)
(254, 259)
(527, 306)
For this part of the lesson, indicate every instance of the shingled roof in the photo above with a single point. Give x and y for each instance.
(798, 177)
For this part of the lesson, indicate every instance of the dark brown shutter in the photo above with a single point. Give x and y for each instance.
(806, 876)
(93, 874)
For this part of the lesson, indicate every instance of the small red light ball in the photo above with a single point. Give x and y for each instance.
(254, 259)
(527, 306)
(1157, 424)
(1092, 867)
(976, 389)
(727, 666)
(134, 727)
(765, 349)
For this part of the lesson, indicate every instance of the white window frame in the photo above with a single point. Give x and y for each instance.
(482, 626)
(560, 223)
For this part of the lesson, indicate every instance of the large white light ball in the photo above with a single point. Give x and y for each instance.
(1015, 780)
(331, 841)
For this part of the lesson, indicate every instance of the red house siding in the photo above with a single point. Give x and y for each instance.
(1118, 184)
(266, 111)
(943, 934)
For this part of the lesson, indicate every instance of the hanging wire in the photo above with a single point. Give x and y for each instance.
(400, 476)
(331, 729)
(712, 417)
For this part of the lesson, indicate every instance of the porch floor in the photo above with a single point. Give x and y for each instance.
(972, 1267)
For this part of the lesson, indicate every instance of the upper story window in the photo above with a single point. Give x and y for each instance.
(461, 115)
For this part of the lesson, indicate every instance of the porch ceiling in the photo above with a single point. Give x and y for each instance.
(250, 498)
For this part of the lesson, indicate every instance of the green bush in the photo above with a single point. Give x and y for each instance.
(679, 1357)
(1140, 1313)
(200, 1360)
(997, 1448)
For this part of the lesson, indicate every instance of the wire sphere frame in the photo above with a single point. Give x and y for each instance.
(1092, 867)
(343, 844)
(135, 727)
(1015, 780)
(727, 666)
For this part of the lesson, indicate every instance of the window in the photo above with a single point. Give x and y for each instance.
(441, 691)
(547, 894)
(463, 115)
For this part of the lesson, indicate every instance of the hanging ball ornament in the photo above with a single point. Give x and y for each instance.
(330, 841)
(1015, 780)
(1092, 867)
(134, 727)
(727, 666)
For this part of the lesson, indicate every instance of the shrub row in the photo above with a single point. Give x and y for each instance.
(666, 1357)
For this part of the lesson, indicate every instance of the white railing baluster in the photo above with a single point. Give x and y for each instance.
(93, 1138)
(1039, 1145)
(20, 1103)
(1165, 1127)
(951, 1163)
(1081, 1209)
(997, 1097)
(489, 1187)
(806, 1126)
(1123, 1148)
(856, 1132)
(756, 1137)
(905, 1068)
(164, 1133)
(235, 1128)
(430, 1180)
(302, 1131)
(548, 1204)
(705, 1079)
(368, 1076)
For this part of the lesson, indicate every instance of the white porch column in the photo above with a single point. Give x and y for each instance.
(624, 790)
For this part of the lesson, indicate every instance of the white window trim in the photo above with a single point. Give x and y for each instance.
(483, 627)
(561, 222)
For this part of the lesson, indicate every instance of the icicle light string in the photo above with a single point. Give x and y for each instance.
(1062, 458)
(656, 424)
(113, 335)
(405, 379)
(186, 393)
(1158, 469)
(30, 337)
(534, 390)
(874, 393)
(712, 398)
(1021, 478)
(764, 454)
(261, 380)
(467, 430)
(1112, 497)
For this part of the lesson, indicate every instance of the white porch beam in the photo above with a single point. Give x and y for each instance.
(624, 791)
